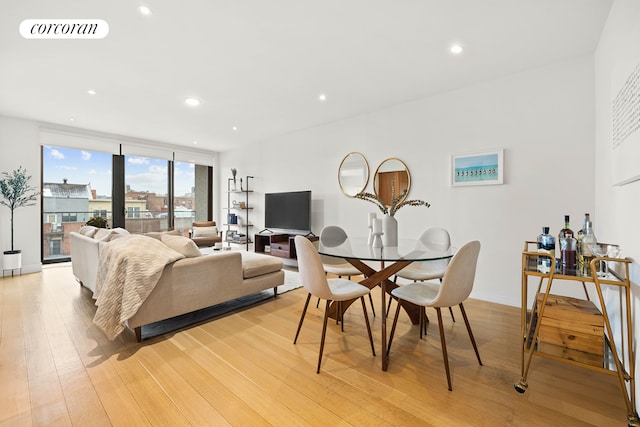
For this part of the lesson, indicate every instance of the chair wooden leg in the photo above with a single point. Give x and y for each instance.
(340, 316)
(304, 312)
(444, 347)
(452, 317)
(421, 324)
(366, 320)
(373, 309)
(473, 341)
(324, 333)
(393, 327)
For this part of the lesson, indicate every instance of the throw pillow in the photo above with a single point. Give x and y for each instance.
(205, 231)
(181, 244)
(158, 234)
(102, 234)
(88, 230)
(119, 230)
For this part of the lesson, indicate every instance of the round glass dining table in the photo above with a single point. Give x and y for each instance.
(378, 265)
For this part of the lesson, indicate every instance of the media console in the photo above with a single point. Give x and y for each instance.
(278, 244)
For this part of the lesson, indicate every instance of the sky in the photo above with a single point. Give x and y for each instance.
(91, 167)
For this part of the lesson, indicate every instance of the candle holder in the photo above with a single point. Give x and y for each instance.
(376, 230)
(377, 240)
(372, 217)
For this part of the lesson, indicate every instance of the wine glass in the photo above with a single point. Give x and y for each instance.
(613, 251)
(600, 251)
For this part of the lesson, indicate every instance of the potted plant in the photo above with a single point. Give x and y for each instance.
(98, 221)
(389, 223)
(16, 193)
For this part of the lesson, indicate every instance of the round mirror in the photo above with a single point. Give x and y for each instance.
(353, 174)
(391, 179)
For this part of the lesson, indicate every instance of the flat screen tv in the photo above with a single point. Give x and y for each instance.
(288, 211)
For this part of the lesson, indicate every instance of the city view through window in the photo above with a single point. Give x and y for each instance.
(77, 187)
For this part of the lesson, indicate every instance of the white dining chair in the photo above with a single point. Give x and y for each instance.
(335, 289)
(456, 287)
(436, 238)
(332, 236)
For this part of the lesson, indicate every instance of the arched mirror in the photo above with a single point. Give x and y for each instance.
(391, 179)
(353, 174)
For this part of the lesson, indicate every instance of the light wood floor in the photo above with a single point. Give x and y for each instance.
(56, 368)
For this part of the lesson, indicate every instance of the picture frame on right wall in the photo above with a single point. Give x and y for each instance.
(484, 167)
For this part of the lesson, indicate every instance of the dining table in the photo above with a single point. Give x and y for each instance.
(377, 266)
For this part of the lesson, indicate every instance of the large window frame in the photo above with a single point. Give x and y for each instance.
(204, 196)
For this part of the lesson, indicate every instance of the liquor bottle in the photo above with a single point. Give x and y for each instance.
(546, 243)
(586, 255)
(566, 231)
(580, 235)
(587, 217)
(568, 246)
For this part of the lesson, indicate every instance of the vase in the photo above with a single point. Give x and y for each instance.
(11, 260)
(389, 231)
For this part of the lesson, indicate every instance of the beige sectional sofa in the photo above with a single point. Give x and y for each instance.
(188, 284)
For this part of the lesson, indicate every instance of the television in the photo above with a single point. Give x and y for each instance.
(288, 211)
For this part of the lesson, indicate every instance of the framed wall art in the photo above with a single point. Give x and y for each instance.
(478, 168)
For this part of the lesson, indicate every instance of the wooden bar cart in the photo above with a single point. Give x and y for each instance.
(571, 336)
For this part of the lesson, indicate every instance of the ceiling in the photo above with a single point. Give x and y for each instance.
(260, 66)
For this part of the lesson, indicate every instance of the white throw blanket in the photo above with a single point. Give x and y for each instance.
(130, 267)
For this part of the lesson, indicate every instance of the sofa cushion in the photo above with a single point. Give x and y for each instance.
(181, 244)
(205, 231)
(106, 235)
(254, 265)
(158, 234)
(88, 230)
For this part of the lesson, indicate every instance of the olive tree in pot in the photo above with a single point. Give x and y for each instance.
(16, 193)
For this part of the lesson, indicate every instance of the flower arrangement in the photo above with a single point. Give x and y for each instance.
(396, 203)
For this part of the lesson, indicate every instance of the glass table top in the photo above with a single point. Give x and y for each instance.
(407, 250)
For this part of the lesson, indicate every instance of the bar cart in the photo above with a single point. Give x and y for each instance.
(611, 359)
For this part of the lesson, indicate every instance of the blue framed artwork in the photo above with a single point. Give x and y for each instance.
(477, 168)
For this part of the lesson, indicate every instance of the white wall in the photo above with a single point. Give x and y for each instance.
(19, 142)
(617, 206)
(543, 118)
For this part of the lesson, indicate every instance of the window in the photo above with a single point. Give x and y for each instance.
(146, 192)
(75, 183)
(69, 217)
(133, 212)
(184, 183)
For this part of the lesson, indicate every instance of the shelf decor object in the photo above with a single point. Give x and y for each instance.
(478, 168)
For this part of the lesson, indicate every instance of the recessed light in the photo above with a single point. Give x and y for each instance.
(144, 10)
(235, 128)
(192, 102)
(322, 97)
(195, 142)
(456, 49)
(72, 119)
(91, 92)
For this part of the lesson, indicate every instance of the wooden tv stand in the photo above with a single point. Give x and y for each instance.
(278, 244)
